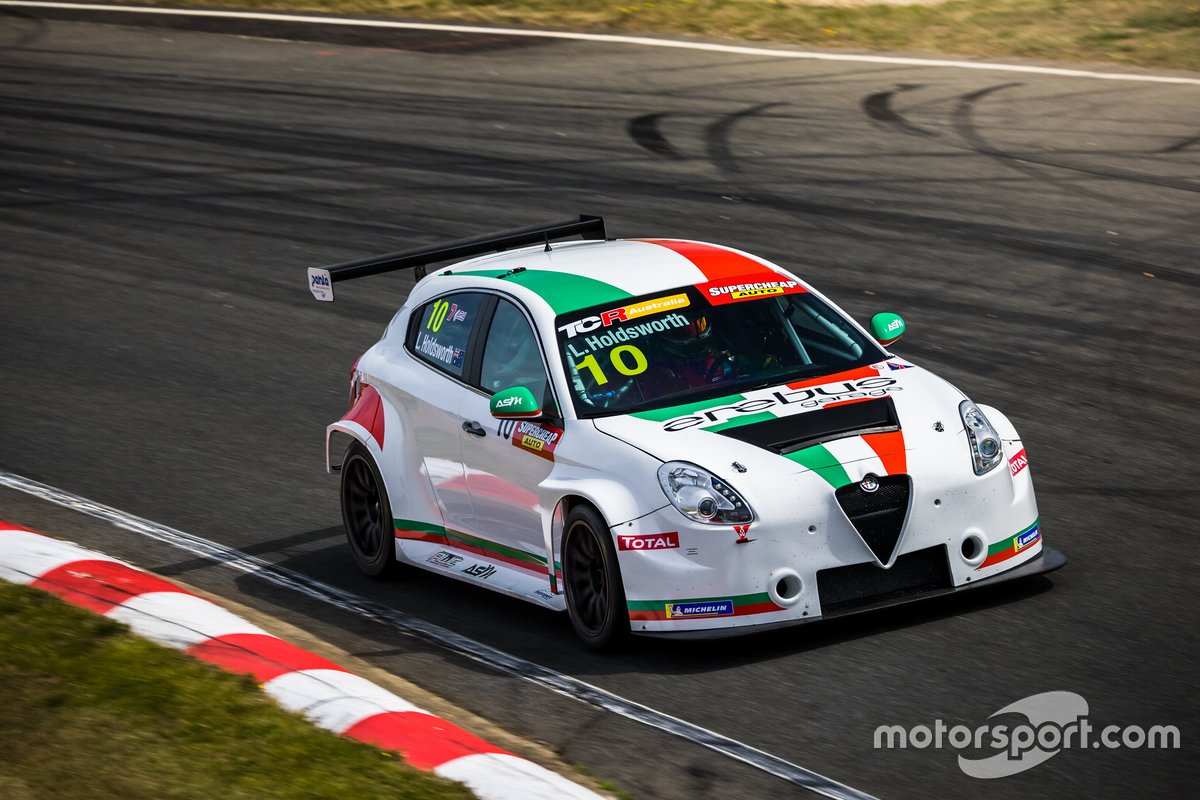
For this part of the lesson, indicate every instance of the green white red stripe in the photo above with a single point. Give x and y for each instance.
(1010, 546)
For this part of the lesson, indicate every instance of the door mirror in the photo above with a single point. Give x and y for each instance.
(514, 403)
(887, 327)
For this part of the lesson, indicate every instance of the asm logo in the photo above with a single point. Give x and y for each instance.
(508, 401)
(482, 571)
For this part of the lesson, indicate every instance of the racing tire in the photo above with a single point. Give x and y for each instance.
(592, 578)
(366, 514)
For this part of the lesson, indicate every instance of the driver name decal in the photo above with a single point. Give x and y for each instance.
(447, 354)
(625, 313)
(539, 439)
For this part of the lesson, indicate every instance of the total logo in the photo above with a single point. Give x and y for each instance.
(1018, 462)
(652, 541)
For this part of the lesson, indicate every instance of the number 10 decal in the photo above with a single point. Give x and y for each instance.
(440, 309)
(618, 358)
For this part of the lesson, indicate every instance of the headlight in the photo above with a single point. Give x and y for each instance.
(701, 495)
(986, 451)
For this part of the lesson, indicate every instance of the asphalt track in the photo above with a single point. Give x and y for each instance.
(162, 191)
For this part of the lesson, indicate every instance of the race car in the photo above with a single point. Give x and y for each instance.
(665, 437)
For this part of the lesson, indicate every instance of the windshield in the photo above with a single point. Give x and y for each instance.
(680, 346)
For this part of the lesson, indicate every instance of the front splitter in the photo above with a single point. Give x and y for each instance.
(1047, 561)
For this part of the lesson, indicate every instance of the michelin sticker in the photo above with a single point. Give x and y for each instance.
(712, 608)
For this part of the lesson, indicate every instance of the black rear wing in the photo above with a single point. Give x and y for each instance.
(321, 279)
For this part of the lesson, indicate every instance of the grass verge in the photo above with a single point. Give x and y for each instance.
(1148, 33)
(88, 710)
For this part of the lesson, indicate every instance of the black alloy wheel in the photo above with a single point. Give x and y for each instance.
(366, 513)
(595, 593)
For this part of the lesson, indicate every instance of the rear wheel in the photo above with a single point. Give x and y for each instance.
(595, 593)
(366, 513)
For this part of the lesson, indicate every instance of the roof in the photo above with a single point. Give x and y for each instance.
(579, 274)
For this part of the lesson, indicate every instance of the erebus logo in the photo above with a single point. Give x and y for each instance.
(788, 402)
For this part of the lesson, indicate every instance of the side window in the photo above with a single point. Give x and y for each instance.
(443, 331)
(511, 356)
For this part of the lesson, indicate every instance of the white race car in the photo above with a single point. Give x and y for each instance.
(666, 437)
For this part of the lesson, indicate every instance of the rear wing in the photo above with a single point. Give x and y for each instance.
(321, 279)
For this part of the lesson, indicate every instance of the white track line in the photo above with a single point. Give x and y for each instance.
(443, 637)
(641, 41)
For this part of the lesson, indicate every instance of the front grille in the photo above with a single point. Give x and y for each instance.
(878, 516)
(847, 588)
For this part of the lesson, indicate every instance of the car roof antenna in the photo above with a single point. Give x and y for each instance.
(548, 248)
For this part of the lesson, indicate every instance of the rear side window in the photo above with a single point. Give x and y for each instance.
(443, 331)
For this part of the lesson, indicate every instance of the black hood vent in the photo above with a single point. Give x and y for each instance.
(878, 515)
(784, 435)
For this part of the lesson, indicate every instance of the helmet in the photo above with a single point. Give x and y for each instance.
(690, 339)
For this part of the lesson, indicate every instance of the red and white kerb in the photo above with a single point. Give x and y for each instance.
(325, 693)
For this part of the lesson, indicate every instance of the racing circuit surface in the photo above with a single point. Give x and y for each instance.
(163, 191)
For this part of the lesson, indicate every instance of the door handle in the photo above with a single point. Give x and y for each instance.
(474, 428)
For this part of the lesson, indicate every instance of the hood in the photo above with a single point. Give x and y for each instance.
(882, 411)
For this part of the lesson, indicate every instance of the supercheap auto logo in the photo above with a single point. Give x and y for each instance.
(538, 439)
(625, 313)
(751, 287)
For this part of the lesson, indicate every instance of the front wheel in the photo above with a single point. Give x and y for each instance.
(366, 513)
(595, 593)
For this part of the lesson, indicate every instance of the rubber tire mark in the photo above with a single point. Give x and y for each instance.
(965, 126)
(645, 133)
(878, 107)
(720, 153)
(1182, 144)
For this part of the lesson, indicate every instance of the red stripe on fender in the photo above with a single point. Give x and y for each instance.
(258, 654)
(890, 449)
(716, 263)
(420, 536)
(99, 585)
(848, 402)
(840, 377)
(368, 412)
(425, 740)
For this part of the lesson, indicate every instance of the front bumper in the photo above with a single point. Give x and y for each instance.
(1047, 560)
